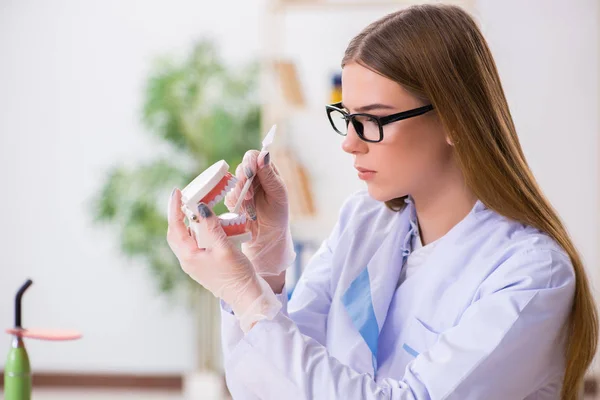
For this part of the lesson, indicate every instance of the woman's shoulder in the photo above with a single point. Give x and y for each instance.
(521, 249)
(514, 236)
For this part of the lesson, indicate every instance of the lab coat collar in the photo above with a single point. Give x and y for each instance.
(477, 208)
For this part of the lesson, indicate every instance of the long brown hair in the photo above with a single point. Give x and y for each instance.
(438, 52)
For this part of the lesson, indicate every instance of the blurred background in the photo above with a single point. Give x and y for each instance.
(106, 106)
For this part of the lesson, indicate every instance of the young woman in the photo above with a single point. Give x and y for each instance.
(451, 277)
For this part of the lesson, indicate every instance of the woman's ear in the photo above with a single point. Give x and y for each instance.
(449, 141)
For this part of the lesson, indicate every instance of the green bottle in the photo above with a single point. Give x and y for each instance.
(17, 372)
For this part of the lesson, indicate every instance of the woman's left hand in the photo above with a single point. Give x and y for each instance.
(222, 268)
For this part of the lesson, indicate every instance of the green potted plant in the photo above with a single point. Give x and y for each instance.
(203, 111)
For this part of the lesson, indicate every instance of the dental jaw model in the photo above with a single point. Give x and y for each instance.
(210, 188)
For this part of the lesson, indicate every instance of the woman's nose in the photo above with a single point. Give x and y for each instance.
(352, 143)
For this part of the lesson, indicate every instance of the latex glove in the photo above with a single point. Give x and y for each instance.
(222, 268)
(271, 249)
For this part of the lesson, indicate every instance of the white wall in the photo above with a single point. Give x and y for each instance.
(71, 76)
(70, 81)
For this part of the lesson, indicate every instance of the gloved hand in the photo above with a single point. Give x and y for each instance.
(222, 268)
(271, 249)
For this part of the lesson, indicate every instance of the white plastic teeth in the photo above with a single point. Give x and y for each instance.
(228, 219)
(230, 185)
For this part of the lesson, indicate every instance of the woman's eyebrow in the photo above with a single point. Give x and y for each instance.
(371, 107)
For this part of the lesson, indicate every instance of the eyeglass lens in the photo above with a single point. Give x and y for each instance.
(364, 126)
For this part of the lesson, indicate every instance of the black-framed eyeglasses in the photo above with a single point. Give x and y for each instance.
(368, 127)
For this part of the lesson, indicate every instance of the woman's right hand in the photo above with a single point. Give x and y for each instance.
(271, 249)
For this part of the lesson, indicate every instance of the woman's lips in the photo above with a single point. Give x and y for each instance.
(365, 174)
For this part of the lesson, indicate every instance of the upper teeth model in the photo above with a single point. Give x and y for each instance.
(210, 188)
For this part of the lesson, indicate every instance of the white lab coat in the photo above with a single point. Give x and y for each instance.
(482, 318)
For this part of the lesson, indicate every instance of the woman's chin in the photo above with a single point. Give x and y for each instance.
(382, 194)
